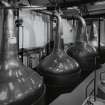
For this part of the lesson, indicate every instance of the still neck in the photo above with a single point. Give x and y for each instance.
(81, 37)
(93, 32)
(58, 41)
(58, 44)
(82, 30)
(9, 39)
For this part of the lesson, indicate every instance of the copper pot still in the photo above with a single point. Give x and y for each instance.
(81, 50)
(93, 41)
(60, 71)
(18, 85)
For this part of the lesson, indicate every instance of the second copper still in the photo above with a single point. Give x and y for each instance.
(81, 50)
(93, 41)
(18, 85)
(59, 70)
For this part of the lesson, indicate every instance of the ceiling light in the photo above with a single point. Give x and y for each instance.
(99, 3)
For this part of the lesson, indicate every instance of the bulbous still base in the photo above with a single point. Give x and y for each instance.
(100, 51)
(60, 73)
(58, 69)
(59, 84)
(85, 55)
(20, 85)
(30, 100)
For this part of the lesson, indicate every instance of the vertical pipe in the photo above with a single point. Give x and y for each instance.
(22, 41)
(95, 77)
(48, 35)
(18, 29)
(99, 25)
(51, 31)
(73, 22)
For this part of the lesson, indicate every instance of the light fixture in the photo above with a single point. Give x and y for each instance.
(99, 3)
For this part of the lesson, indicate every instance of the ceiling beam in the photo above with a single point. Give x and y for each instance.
(73, 3)
(76, 3)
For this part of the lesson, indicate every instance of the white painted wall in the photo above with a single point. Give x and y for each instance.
(35, 29)
(69, 32)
